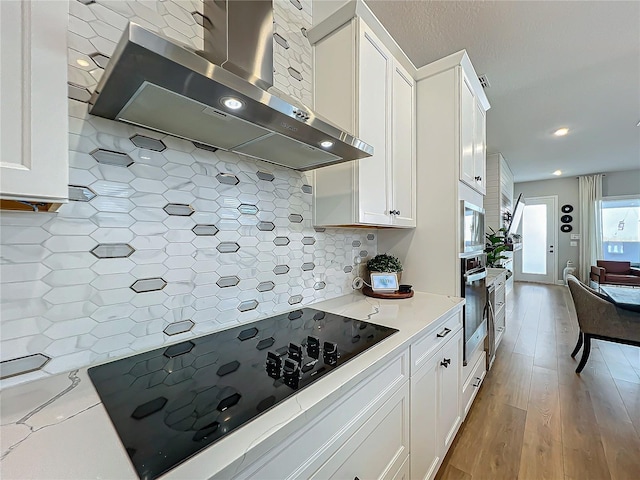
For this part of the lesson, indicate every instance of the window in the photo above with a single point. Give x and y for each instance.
(534, 239)
(621, 228)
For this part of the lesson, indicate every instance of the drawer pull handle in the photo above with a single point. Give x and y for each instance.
(446, 362)
(444, 333)
(478, 382)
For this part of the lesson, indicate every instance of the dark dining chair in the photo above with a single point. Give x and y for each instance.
(599, 318)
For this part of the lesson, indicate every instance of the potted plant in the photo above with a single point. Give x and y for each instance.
(384, 263)
(495, 245)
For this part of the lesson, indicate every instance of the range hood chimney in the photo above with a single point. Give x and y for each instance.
(219, 97)
(240, 38)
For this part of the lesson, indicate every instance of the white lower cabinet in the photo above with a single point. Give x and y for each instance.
(448, 386)
(472, 384)
(378, 449)
(365, 431)
(424, 416)
(435, 407)
(500, 307)
(404, 473)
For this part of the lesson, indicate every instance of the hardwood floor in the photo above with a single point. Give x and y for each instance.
(535, 418)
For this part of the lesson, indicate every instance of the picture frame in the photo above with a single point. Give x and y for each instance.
(384, 282)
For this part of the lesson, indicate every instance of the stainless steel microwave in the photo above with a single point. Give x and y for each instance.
(471, 229)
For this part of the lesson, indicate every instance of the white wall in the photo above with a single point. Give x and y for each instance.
(323, 8)
(621, 183)
(613, 184)
(567, 191)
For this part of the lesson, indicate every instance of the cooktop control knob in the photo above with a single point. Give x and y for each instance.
(291, 373)
(274, 365)
(295, 352)
(330, 353)
(313, 347)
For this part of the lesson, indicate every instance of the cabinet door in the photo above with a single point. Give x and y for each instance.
(403, 160)
(480, 149)
(472, 384)
(500, 292)
(425, 451)
(467, 111)
(501, 325)
(378, 449)
(449, 390)
(373, 112)
(33, 118)
(403, 473)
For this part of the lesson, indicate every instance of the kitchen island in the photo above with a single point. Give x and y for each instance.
(58, 428)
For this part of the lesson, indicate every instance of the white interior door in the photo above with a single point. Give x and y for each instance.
(538, 259)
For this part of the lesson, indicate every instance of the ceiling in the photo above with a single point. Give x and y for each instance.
(550, 64)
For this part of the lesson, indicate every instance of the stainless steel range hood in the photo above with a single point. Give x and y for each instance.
(153, 82)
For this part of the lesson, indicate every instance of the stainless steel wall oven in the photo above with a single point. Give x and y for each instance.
(473, 278)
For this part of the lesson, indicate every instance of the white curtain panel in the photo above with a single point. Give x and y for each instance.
(590, 187)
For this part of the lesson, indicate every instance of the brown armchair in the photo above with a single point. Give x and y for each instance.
(615, 273)
(601, 319)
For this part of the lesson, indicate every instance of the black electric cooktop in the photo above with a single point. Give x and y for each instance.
(170, 403)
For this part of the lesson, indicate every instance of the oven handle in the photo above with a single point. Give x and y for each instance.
(475, 276)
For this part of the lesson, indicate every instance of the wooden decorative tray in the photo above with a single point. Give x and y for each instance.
(391, 295)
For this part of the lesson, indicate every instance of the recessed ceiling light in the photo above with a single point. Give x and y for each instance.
(232, 103)
(82, 62)
(561, 132)
(326, 144)
(558, 172)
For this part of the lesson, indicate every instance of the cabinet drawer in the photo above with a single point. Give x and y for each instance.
(403, 473)
(500, 316)
(422, 349)
(378, 449)
(472, 385)
(303, 452)
(500, 295)
(501, 325)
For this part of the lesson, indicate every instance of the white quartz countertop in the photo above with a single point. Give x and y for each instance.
(57, 428)
(493, 273)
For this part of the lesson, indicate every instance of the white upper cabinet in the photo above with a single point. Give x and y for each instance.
(455, 94)
(403, 143)
(472, 137)
(467, 124)
(498, 201)
(374, 81)
(480, 149)
(34, 163)
(362, 88)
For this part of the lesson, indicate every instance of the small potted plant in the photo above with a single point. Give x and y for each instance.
(384, 263)
(494, 247)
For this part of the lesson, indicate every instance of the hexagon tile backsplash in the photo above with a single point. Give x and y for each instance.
(162, 239)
